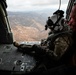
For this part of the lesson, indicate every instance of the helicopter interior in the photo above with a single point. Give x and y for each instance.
(13, 61)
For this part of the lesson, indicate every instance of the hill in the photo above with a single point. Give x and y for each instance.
(28, 26)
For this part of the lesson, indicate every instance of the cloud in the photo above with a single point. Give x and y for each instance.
(22, 5)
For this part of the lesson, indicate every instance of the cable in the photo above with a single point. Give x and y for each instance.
(59, 9)
(59, 4)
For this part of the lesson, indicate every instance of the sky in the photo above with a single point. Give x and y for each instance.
(26, 5)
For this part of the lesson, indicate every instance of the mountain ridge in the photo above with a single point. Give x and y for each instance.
(28, 26)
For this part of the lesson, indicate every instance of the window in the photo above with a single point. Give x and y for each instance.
(27, 18)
